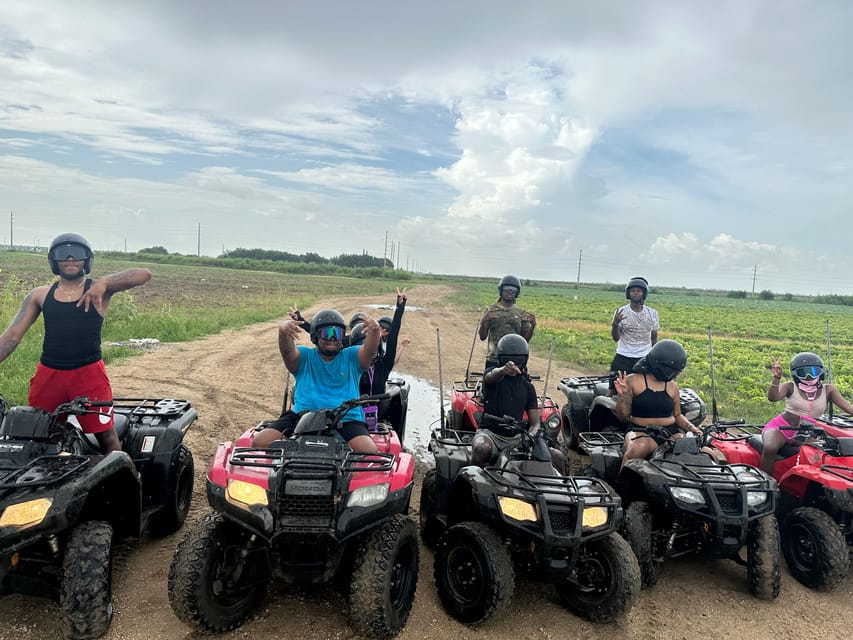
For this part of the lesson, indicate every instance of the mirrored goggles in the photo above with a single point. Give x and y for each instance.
(331, 333)
(804, 373)
(66, 251)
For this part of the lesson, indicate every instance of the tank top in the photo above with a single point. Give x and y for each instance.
(800, 406)
(72, 336)
(651, 404)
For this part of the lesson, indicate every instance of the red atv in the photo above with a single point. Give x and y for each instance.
(305, 509)
(815, 476)
(467, 407)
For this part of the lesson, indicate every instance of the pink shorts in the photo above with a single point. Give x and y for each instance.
(779, 423)
(49, 388)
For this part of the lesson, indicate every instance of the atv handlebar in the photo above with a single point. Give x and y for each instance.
(81, 405)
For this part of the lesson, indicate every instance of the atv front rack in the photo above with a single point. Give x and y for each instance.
(580, 487)
(578, 382)
(147, 407)
(41, 471)
(277, 458)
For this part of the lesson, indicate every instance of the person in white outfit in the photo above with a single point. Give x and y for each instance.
(634, 328)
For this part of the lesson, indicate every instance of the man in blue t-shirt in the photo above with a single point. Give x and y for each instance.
(326, 376)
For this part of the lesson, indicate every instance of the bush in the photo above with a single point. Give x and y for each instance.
(740, 295)
(766, 295)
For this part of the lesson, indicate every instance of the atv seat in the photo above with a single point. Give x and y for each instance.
(121, 424)
(788, 449)
(602, 389)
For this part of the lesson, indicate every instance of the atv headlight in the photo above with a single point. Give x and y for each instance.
(369, 495)
(25, 514)
(553, 422)
(690, 496)
(245, 494)
(749, 475)
(756, 498)
(517, 509)
(594, 517)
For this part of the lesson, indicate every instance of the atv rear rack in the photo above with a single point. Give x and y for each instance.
(42, 471)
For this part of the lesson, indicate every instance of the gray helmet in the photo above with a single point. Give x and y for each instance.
(355, 318)
(509, 281)
(385, 322)
(807, 365)
(637, 281)
(326, 318)
(666, 359)
(513, 347)
(70, 244)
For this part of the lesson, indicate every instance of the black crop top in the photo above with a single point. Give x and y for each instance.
(651, 404)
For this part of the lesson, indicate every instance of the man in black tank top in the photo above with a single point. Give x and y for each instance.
(73, 308)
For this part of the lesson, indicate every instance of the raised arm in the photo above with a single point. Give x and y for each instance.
(23, 320)
(288, 331)
(368, 348)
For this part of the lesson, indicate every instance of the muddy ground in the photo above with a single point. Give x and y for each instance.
(236, 378)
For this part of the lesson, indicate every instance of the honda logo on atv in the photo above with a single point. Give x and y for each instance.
(316, 443)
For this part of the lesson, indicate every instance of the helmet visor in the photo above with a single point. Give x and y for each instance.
(805, 373)
(331, 333)
(69, 251)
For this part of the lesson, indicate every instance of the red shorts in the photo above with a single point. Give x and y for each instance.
(49, 388)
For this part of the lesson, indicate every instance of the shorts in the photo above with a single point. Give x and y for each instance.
(49, 388)
(778, 423)
(286, 423)
(670, 430)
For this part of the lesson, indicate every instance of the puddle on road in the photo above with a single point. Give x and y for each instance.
(424, 415)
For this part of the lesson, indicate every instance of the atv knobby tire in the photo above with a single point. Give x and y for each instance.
(764, 558)
(473, 570)
(430, 527)
(216, 579)
(605, 581)
(85, 596)
(181, 479)
(638, 534)
(815, 548)
(384, 579)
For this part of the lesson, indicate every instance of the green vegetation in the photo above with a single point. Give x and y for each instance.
(747, 332)
(182, 302)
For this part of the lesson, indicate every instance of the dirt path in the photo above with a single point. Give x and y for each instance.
(235, 379)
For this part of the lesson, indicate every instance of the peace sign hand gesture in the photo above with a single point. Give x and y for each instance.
(776, 367)
(621, 383)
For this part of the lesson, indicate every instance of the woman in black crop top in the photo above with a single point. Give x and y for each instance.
(649, 397)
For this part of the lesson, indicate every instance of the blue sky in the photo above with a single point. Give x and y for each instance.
(694, 143)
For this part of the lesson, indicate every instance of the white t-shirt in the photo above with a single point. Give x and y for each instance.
(635, 337)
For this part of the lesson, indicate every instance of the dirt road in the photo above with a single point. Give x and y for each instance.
(235, 379)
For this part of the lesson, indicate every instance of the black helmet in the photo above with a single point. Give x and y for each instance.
(666, 359)
(357, 317)
(356, 334)
(385, 322)
(513, 347)
(637, 281)
(807, 365)
(73, 242)
(326, 318)
(509, 281)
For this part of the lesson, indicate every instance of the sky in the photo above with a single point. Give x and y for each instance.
(699, 144)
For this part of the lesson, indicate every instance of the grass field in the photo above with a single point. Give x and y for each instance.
(185, 302)
(180, 303)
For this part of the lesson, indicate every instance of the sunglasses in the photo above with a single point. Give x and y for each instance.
(73, 251)
(808, 372)
(331, 333)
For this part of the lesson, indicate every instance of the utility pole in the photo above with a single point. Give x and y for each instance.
(125, 245)
(392, 253)
(198, 248)
(11, 230)
(385, 254)
(578, 281)
(754, 271)
(397, 264)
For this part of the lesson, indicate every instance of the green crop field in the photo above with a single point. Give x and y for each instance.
(183, 302)
(746, 334)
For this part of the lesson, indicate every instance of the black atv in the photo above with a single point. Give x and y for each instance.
(521, 516)
(590, 409)
(306, 509)
(62, 502)
(683, 502)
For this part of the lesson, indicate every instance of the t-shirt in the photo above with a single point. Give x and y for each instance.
(509, 396)
(326, 385)
(635, 337)
(508, 320)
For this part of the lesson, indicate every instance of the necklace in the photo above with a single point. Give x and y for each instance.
(73, 294)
